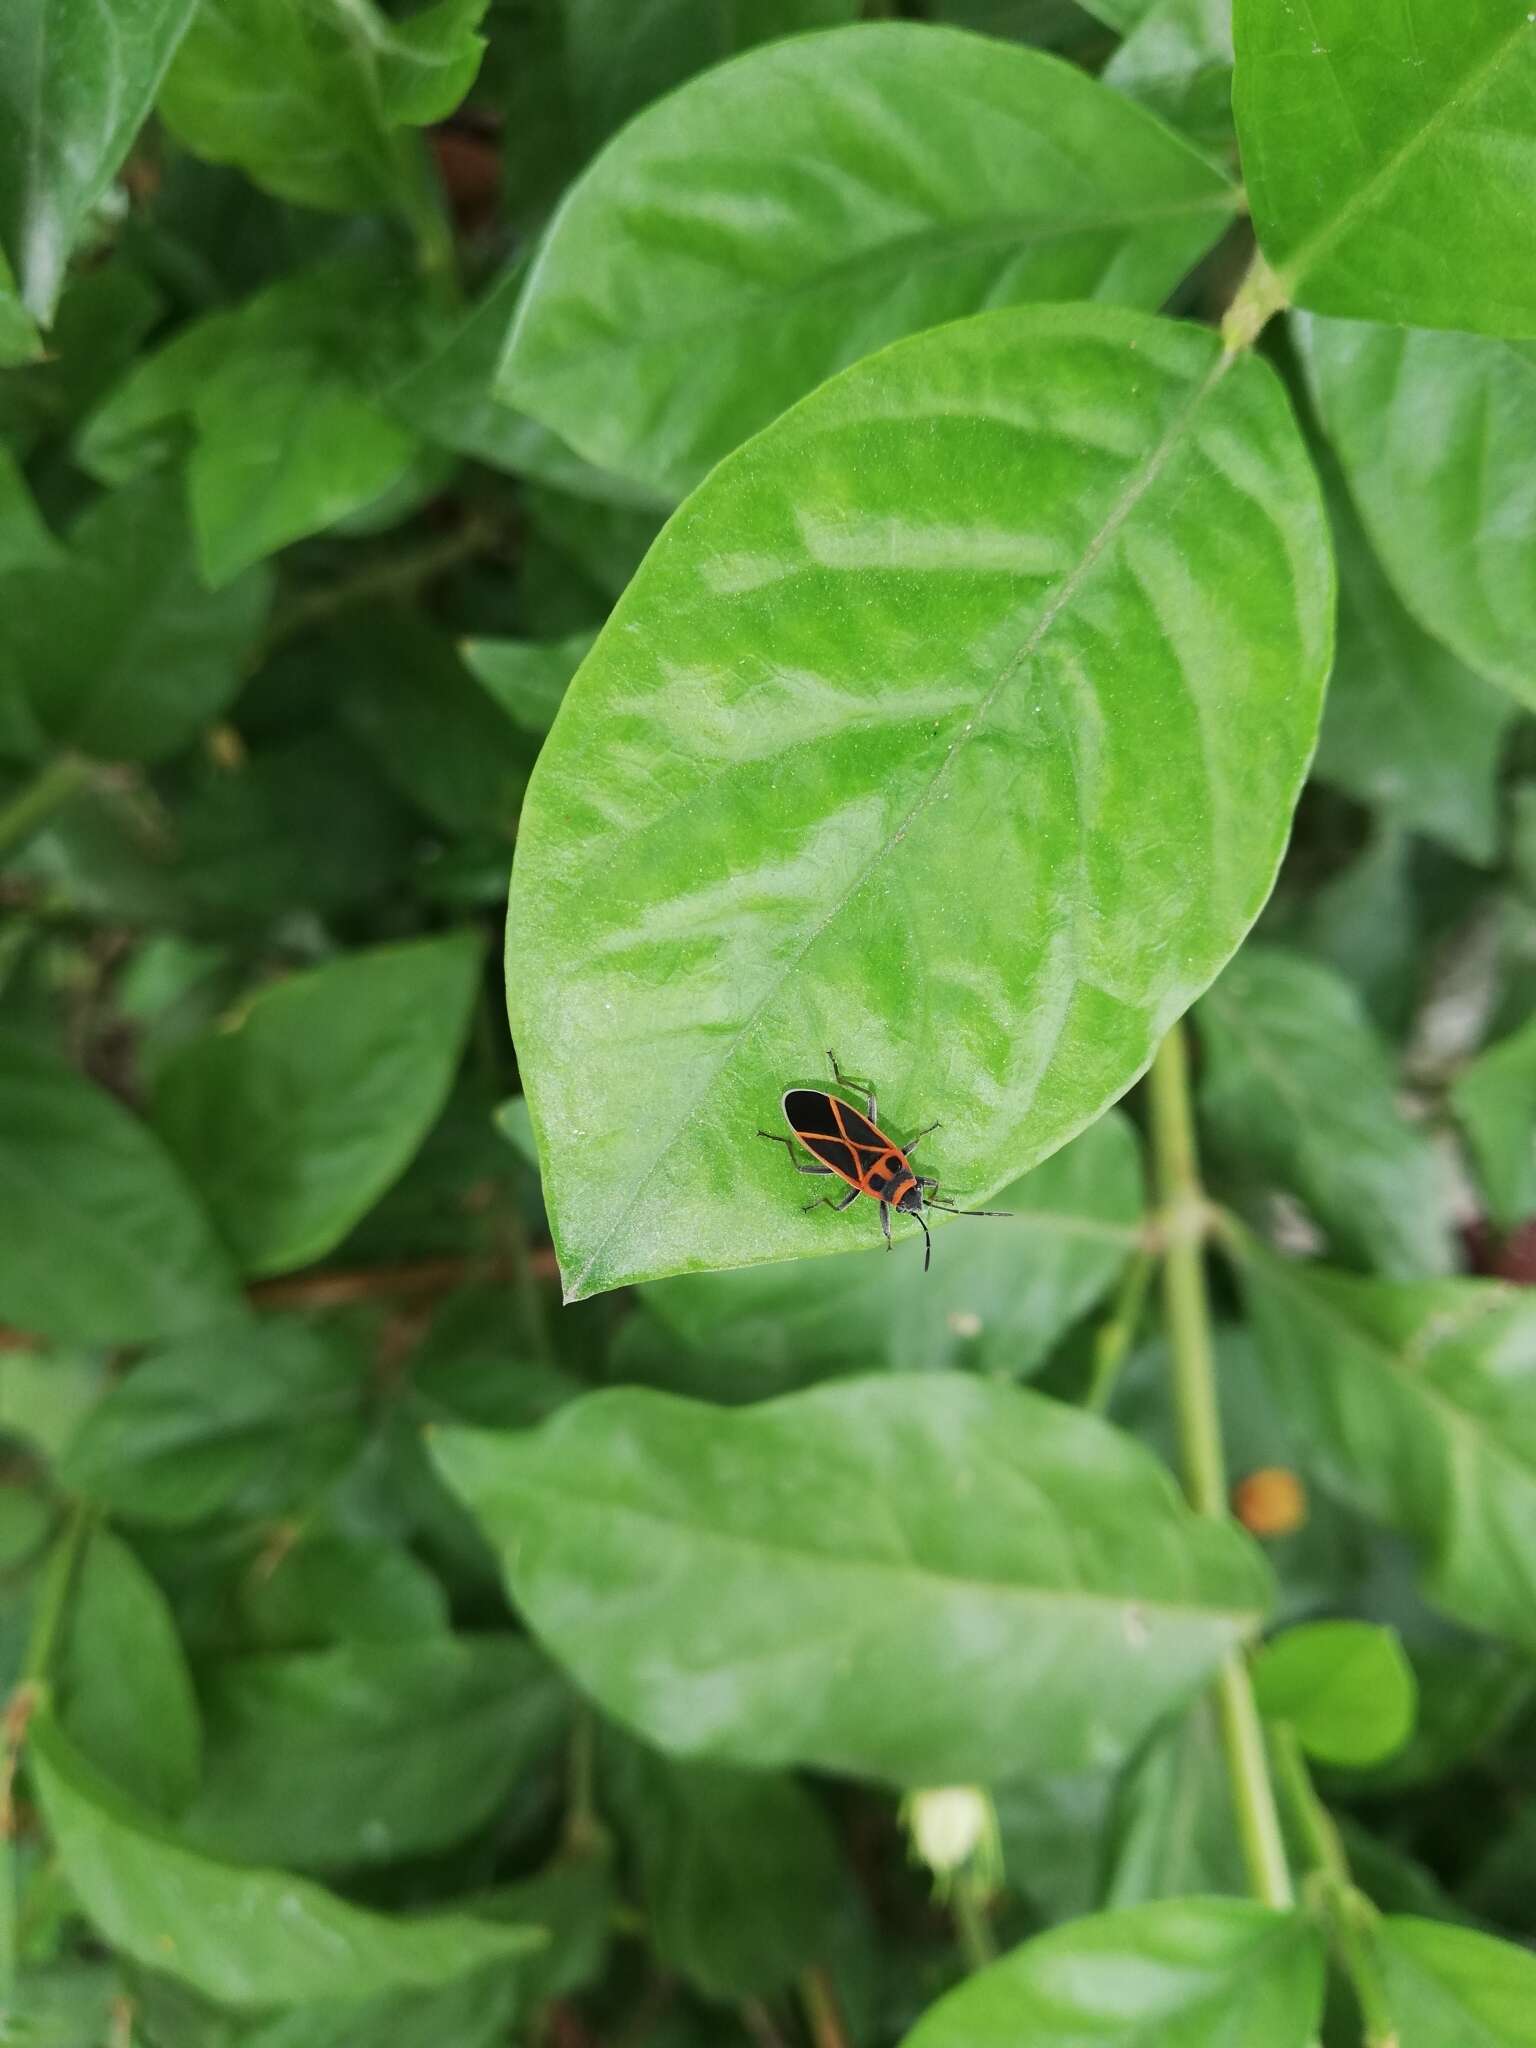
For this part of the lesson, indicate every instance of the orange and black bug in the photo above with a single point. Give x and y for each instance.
(846, 1142)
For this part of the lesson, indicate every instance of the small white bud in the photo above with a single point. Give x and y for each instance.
(953, 1829)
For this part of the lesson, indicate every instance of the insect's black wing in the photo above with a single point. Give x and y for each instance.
(861, 1132)
(813, 1117)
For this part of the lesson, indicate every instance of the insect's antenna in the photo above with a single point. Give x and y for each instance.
(927, 1244)
(967, 1212)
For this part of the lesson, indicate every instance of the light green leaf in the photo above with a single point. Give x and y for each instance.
(899, 175)
(331, 1588)
(1494, 1097)
(1011, 1581)
(1417, 1405)
(1452, 1987)
(1408, 727)
(369, 1752)
(1437, 435)
(75, 87)
(309, 97)
(1390, 157)
(1172, 1829)
(947, 610)
(739, 1870)
(104, 1241)
(1177, 60)
(528, 678)
(249, 1419)
(243, 1937)
(998, 1297)
(1298, 1085)
(1344, 1686)
(294, 1121)
(122, 1688)
(125, 652)
(1185, 1973)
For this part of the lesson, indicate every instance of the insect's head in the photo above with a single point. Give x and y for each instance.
(912, 1200)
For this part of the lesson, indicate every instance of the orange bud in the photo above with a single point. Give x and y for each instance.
(1271, 1501)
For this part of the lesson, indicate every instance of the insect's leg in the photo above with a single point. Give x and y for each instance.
(798, 1164)
(911, 1145)
(885, 1222)
(872, 1109)
(926, 1180)
(826, 1202)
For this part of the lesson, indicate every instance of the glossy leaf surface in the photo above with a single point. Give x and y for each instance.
(1344, 1686)
(1494, 1097)
(1437, 435)
(1298, 1083)
(294, 1122)
(1417, 1405)
(242, 1936)
(998, 1296)
(75, 85)
(1184, 1972)
(1454, 1987)
(105, 1242)
(1389, 154)
(1040, 1598)
(905, 658)
(787, 213)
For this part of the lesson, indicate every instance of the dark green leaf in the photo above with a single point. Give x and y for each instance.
(250, 1419)
(1298, 1084)
(370, 1752)
(738, 1869)
(1185, 1973)
(815, 199)
(243, 1937)
(1173, 1831)
(75, 86)
(866, 649)
(528, 678)
(125, 652)
(332, 1588)
(1408, 728)
(1437, 434)
(309, 100)
(19, 339)
(1344, 1686)
(937, 1531)
(124, 1693)
(997, 1300)
(1390, 157)
(1452, 1987)
(1494, 1097)
(1051, 1831)
(293, 1122)
(1177, 60)
(104, 1241)
(1417, 1404)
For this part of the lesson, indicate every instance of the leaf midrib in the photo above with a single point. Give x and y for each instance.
(1126, 501)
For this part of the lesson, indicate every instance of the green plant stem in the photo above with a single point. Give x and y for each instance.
(1347, 1912)
(972, 1925)
(393, 576)
(823, 2017)
(1256, 301)
(1112, 1343)
(34, 805)
(1185, 1220)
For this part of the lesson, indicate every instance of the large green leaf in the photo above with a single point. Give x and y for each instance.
(1452, 1987)
(1344, 1686)
(1005, 1582)
(104, 1241)
(244, 1937)
(310, 97)
(252, 1419)
(1185, 1973)
(76, 82)
(1494, 1097)
(123, 1690)
(738, 1869)
(904, 661)
(796, 209)
(296, 1120)
(1299, 1086)
(1437, 434)
(1389, 152)
(123, 650)
(1408, 727)
(1416, 1404)
(996, 1301)
(369, 1752)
